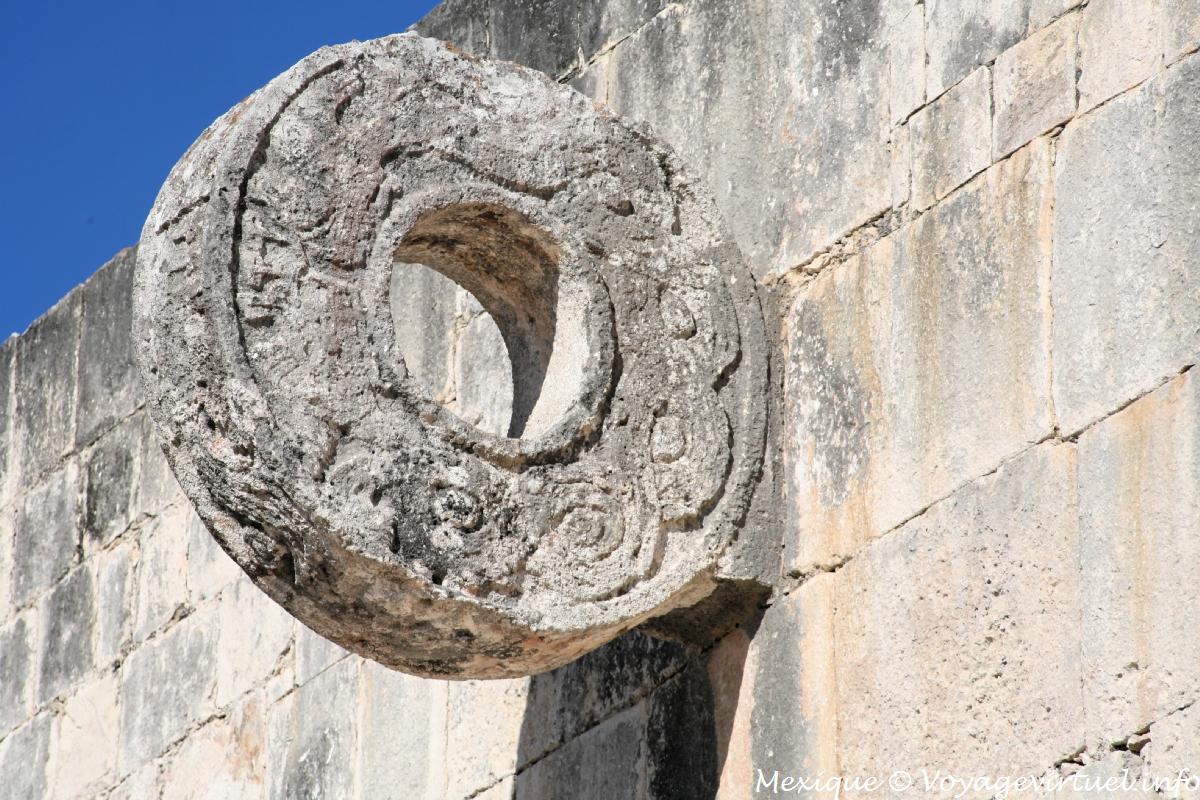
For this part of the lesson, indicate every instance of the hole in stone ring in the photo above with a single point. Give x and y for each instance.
(509, 267)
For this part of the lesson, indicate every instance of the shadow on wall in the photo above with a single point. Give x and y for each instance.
(638, 718)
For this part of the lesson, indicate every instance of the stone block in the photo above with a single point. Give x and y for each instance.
(255, 633)
(45, 535)
(109, 478)
(424, 310)
(1174, 752)
(138, 786)
(209, 568)
(951, 139)
(1126, 300)
(226, 758)
(482, 371)
(1034, 86)
(83, 753)
(919, 364)
(901, 165)
(962, 35)
(7, 536)
(311, 737)
(6, 402)
(606, 762)
(604, 24)
(43, 426)
(793, 716)
(906, 60)
(1120, 45)
(680, 740)
(962, 627)
(156, 484)
(475, 762)
(314, 653)
(541, 34)
(166, 685)
(732, 667)
(115, 583)
(401, 744)
(1138, 470)
(778, 121)
(1181, 29)
(23, 756)
(109, 389)
(462, 23)
(562, 704)
(65, 651)
(16, 672)
(162, 587)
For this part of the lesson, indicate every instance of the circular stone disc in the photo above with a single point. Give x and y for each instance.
(367, 509)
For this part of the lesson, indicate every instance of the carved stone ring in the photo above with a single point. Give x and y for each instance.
(371, 512)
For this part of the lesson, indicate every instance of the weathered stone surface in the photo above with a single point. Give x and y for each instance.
(44, 407)
(1034, 86)
(115, 598)
(951, 139)
(540, 34)
(45, 535)
(452, 347)
(6, 401)
(962, 627)
(901, 165)
(311, 737)
(1174, 750)
(401, 727)
(781, 130)
(314, 654)
(67, 618)
(1120, 45)
(23, 756)
(109, 478)
(1126, 299)
(604, 763)
(681, 744)
(166, 685)
(255, 633)
(918, 365)
(562, 704)
(1138, 471)
(108, 385)
(1181, 32)
(162, 587)
(156, 485)
(16, 673)
(474, 762)
(83, 752)
(225, 759)
(383, 521)
(964, 34)
(793, 715)
(209, 568)
(906, 59)
(731, 674)
(462, 23)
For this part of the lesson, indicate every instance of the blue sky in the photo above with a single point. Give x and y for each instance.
(101, 99)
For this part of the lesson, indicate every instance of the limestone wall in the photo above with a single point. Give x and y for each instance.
(976, 227)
